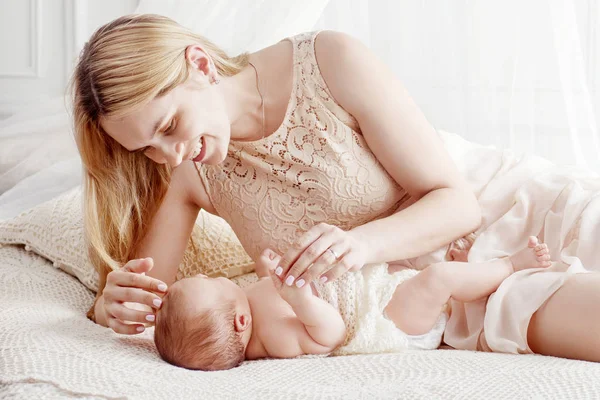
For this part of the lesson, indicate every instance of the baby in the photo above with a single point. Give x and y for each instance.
(212, 324)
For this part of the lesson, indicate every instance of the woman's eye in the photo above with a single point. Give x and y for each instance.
(171, 126)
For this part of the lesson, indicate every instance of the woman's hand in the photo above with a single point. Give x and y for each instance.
(331, 252)
(129, 284)
(268, 261)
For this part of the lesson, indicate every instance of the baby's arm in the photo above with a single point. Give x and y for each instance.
(261, 270)
(417, 303)
(322, 321)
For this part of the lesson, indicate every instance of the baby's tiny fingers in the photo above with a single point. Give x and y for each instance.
(269, 259)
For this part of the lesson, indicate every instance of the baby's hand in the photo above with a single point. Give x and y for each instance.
(268, 261)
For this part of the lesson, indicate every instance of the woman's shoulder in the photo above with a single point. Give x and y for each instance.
(329, 40)
(310, 60)
(322, 52)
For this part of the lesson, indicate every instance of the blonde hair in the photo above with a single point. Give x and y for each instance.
(205, 341)
(125, 64)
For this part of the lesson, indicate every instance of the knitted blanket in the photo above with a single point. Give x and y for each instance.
(49, 348)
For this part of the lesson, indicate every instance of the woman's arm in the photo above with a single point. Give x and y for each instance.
(408, 147)
(165, 242)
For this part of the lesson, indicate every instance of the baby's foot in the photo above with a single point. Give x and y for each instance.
(535, 255)
(266, 263)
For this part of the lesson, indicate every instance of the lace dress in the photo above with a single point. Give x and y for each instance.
(316, 167)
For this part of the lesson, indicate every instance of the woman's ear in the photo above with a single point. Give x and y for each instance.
(200, 61)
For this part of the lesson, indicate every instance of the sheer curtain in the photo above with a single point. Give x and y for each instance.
(514, 74)
(508, 73)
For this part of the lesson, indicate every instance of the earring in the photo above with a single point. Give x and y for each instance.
(216, 81)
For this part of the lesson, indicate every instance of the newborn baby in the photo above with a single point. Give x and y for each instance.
(212, 324)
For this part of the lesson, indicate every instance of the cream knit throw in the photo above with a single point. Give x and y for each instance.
(48, 349)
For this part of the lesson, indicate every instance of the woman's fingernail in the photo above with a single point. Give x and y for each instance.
(162, 287)
(140, 329)
(323, 279)
(157, 302)
(300, 283)
(150, 317)
(278, 271)
(289, 280)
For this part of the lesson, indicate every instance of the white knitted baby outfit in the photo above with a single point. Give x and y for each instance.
(361, 297)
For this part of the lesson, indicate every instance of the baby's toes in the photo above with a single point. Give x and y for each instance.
(543, 258)
(533, 241)
(542, 253)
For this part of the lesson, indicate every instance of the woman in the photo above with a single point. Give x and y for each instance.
(310, 147)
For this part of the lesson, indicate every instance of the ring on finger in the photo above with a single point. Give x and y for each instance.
(333, 252)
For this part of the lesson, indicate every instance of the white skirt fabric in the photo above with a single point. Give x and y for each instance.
(520, 197)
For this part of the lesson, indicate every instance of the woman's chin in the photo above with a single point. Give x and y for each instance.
(215, 159)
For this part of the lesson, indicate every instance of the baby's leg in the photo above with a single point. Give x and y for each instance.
(417, 303)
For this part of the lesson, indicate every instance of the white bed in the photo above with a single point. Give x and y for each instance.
(48, 349)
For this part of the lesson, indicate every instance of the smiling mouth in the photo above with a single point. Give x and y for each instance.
(197, 150)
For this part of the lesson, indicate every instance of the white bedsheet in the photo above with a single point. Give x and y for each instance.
(47, 346)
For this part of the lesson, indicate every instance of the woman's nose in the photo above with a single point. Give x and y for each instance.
(174, 154)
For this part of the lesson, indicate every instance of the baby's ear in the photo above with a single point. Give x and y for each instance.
(242, 322)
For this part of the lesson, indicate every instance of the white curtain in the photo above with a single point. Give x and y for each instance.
(514, 74)
(240, 25)
(510, 73)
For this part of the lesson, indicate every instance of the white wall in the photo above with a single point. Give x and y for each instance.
(509, 73)
(39, 41)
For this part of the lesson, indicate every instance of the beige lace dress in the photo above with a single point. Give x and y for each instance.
(316, 167)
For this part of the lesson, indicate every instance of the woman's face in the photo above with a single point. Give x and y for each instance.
(169, 128)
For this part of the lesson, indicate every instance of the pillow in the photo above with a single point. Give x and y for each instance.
(54, 230)
(36, 138)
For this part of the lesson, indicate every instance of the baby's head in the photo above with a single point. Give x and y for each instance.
(204, 323)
